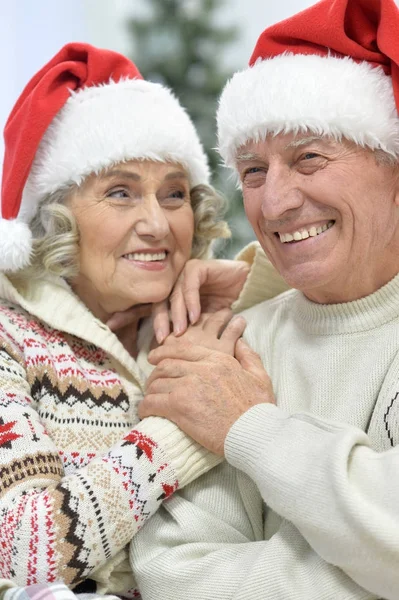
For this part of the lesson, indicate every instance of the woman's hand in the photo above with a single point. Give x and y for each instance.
(203, 285)
(216, 331)
(126, 324)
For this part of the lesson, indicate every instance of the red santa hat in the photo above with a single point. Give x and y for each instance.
(82, 112)
(332, 69)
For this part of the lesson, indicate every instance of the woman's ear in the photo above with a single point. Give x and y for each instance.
(396, 179)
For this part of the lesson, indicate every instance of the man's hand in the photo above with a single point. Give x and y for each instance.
(205, 391)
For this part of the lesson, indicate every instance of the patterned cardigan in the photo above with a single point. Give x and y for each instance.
(79, 473)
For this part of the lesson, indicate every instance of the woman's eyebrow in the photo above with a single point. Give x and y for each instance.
(121, 173)
(127, 174)
(176, 175)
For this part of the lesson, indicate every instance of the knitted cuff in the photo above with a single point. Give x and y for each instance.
(263, 281)
(250, 434)
(188, 459)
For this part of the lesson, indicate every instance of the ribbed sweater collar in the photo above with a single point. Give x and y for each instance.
(53, 302)
(350, 317)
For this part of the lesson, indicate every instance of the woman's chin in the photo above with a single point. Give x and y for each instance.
(156, 294)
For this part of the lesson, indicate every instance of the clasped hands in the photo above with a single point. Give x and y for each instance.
(206, 379)
(206, 376)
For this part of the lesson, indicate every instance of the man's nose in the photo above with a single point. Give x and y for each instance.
(281, 193)
(152, 221)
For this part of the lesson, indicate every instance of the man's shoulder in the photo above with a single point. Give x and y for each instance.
(265, 320)
(278, 305)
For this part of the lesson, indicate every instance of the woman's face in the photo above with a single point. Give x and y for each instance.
(136, 228)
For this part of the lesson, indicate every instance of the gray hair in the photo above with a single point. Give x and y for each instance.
(56, 237)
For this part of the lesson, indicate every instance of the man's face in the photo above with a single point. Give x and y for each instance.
(325, 212)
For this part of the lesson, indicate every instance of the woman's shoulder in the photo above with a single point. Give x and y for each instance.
(11, 314)
(15, 324)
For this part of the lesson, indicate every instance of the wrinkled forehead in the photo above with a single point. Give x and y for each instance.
(284, 142)
(138, 170)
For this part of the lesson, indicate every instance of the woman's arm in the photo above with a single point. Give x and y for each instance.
(84, 518)
(61, 527)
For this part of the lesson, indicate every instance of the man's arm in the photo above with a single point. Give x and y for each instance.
(319, 474)
(208, 543)
(322, 475)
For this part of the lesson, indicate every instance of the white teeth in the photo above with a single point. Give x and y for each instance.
(146, 256)
(304, 233)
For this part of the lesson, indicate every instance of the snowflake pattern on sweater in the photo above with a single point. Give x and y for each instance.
(77, 478)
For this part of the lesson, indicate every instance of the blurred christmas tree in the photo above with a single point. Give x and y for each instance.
(179, 43)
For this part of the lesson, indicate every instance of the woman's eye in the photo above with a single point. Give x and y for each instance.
(177, 194)
(310, 155)
(118, 194)
(173, 198)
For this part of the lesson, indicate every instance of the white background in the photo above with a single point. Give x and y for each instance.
(32, 31)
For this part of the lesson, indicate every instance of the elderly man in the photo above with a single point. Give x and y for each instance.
(306, 504)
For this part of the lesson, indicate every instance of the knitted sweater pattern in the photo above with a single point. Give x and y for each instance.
(78, 479)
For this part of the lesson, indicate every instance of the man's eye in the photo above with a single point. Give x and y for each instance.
(252, 173)
(310, 155)
(252, 170)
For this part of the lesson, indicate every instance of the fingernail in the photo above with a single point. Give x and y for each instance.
(238, 318)
(178, 328)
(160, 336)
(192, 316)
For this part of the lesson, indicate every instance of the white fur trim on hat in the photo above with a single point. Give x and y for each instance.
(103, 125)
(293, 93)
(15, 245)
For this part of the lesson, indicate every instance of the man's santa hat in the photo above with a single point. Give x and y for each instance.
(82, 112)
(332, 69)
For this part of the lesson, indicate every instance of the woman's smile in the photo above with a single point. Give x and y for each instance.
(150, 260)
(134, 221)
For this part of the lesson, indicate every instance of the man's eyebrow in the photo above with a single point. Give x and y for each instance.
(248, 156)
(304, 141)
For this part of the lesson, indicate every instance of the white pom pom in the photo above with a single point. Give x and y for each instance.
(15, 245)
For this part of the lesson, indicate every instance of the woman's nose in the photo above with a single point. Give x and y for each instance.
(152, 221)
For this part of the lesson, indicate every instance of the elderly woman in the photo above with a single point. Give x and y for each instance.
(105, 197)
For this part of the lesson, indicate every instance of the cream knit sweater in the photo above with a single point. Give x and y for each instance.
(79, 474)
(306, 508)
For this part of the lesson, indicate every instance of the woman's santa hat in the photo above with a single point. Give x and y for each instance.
(84, 111)
(332, 69)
